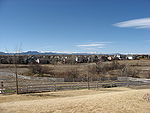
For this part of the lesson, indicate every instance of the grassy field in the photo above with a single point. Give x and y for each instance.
(113, 100)
(60, 71)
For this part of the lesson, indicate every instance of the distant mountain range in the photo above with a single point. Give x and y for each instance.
(45, 53)
(56, 53)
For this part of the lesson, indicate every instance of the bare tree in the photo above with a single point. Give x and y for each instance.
(148, 74)
(16, 56)
(129, 71)
(73, 73)
(16, 73)
(15, 61)
(40, 70)
(91, 71)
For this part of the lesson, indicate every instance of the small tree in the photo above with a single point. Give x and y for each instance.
(128, 71)
(73, 73)
(148, 74)
(40, 70)
(91, 71)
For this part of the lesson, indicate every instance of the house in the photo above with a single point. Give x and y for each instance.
(119, 57)
(129, 57)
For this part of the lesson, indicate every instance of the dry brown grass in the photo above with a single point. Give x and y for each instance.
(114, 100)
(59, 94)
(60, 70)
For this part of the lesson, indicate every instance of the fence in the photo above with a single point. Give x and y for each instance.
(31, 87)
(28, 84)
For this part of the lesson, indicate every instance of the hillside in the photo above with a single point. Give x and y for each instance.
(115, 100)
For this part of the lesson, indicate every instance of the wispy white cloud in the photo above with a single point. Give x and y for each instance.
(93, 45)
(135, 23)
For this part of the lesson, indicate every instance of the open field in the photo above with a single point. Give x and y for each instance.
(35, 84)
(113, 100)
(142, 65)
(67, 73)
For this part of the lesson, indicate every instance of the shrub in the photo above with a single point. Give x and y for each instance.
(104, 68)
(129, 71)
(40, 70)
(73, 73)
(148, 74)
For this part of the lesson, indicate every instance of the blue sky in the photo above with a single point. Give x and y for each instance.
(103, 26)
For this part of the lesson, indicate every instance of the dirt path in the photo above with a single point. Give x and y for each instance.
(130, 101)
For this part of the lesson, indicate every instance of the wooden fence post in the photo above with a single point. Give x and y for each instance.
(88, 82)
